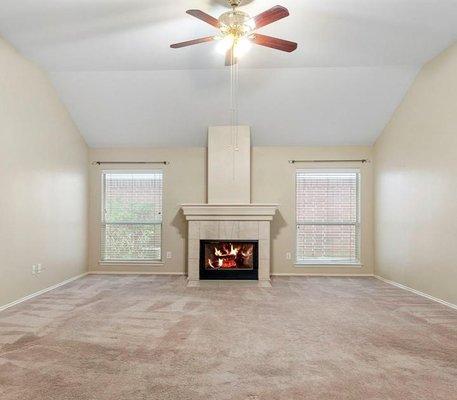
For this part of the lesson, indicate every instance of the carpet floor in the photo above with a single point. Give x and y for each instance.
(149, 337)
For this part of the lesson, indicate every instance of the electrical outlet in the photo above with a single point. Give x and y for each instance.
(169, 254)
(34, 269)
(39, 268)
(288, 256)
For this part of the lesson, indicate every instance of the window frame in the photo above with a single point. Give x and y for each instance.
(358, 224)
(103, 215)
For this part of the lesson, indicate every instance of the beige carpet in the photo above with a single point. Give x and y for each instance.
(150, 337)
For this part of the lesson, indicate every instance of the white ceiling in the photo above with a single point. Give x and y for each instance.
(111, 63)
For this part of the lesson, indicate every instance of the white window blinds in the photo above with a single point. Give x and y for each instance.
(328, 217)
(132, 216)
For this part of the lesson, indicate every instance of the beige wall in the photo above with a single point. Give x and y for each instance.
(43, 183)
(416, 185)
(272, 181)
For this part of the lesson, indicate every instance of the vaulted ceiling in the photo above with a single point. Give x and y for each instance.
(112, 66)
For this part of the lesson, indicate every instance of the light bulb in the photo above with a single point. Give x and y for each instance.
(242, 46)
(225, 44)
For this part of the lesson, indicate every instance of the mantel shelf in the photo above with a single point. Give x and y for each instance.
(258, 212)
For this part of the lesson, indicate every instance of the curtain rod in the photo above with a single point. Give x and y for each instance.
(363, 161)
(130, 162)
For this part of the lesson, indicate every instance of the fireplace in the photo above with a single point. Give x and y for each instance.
(229, 237)
(229, 259)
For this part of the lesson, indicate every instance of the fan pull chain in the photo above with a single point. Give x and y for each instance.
(234, 108)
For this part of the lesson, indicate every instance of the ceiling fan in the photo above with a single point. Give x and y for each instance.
(238, 30)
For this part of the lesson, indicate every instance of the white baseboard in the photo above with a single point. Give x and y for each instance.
(320, 274)
(427, 296)
(134, 273)
(31, 296)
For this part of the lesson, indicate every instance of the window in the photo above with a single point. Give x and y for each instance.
(328, 217)
(131, 216)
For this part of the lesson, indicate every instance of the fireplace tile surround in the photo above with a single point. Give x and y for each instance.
(229, 222)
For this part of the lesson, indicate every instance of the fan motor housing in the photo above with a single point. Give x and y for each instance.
(237, 23)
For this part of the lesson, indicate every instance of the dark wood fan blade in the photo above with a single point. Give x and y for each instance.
(274, 43)
(192, 42)
(272, 15)
(230, 58)
(204, 17)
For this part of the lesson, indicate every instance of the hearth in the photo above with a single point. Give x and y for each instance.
(229, 259)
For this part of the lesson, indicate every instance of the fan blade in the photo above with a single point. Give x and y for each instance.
(274, 43)
(272, 15)
(204, 17)
(192, 42)
(230, 58)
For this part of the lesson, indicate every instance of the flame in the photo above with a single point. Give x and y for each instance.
(234, 250)
(247, 254)
(219, 263)
(227, 256)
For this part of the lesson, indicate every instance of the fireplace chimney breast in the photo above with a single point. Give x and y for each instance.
(229, 165)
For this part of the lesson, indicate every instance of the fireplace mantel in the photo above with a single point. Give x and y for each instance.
(229, 222)
(229, 212)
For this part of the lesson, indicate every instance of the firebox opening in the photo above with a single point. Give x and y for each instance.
(227, 259)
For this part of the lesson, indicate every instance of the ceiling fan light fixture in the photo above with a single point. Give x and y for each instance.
(225, 43)
(242, 47)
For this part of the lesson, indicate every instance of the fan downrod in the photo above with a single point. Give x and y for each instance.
(234, 3)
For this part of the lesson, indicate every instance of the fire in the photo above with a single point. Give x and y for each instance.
(247, 254)
(218, 266)
(234, 251)
(230, 256)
